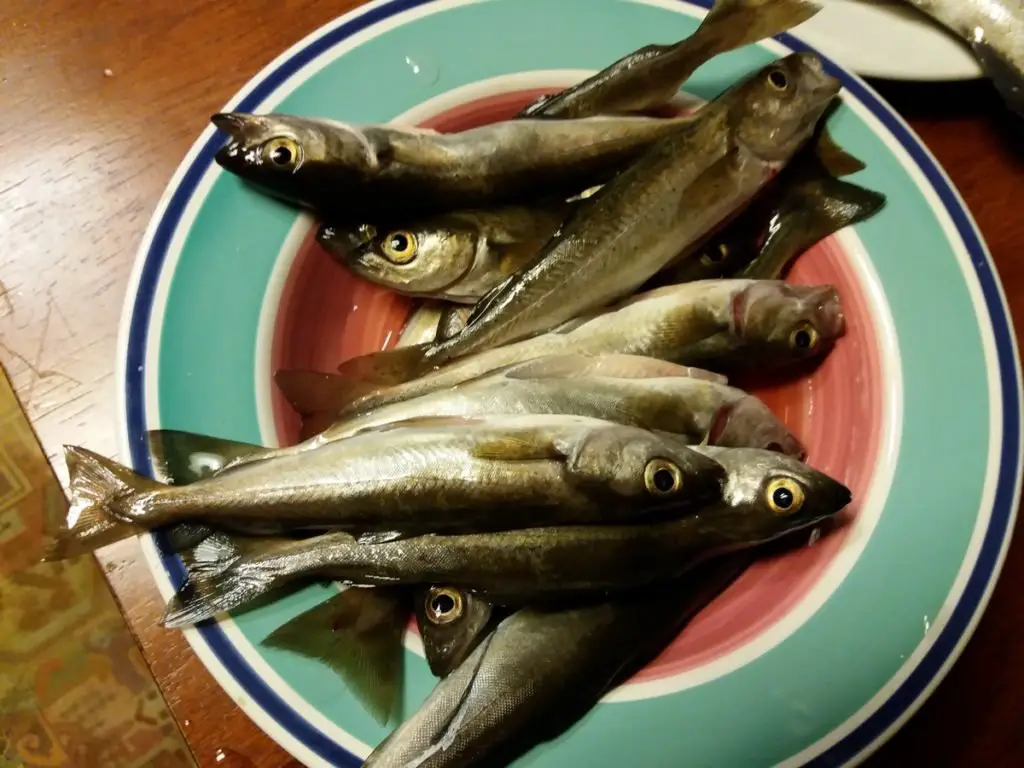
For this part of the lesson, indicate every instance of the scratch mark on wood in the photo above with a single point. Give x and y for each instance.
(13, 186)
(5, 300)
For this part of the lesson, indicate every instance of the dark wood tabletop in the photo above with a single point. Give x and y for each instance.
(98, 104)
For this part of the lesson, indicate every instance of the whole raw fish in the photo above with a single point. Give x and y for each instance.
(427, 475)
(347, 172)
(722, 323)
(639, 391)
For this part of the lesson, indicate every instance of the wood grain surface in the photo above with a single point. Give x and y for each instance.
(98, 104)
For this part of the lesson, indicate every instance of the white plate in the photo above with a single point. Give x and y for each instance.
(890, 39)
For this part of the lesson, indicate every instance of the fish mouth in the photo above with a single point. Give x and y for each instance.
(346, 242)
(232, 123)
(830, 313)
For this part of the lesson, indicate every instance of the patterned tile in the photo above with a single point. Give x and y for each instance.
(75, 691)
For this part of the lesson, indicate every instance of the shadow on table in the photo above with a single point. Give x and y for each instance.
(952, 101)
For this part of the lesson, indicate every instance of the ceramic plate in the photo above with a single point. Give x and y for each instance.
(810, 658)
(888, 38)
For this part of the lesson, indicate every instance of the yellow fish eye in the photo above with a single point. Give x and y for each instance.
(282, 153)
(784, 496)
(778, 80)
(804, 336)
(715, 255)
(443, 605)
(400, 247)
(662, 478)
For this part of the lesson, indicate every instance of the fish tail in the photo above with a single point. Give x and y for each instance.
(315, 423)
(358, 634)
(387, 368)
(180, 457)
(105, 497)
(731, 24)
(310, 392)
(219, 580)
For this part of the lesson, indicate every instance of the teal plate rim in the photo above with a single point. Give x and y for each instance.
(253, 691)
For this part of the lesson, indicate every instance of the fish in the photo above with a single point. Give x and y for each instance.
(680, 191)
(345, 172)
(424, 475)
(458, 256)
(650, 77)
(802, 206)
(994, 30)
(540, 670)
(766, 496)
(723, 323)
(638, 391)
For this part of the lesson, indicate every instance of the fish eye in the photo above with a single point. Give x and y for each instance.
(784, 496)
(283, 153)
(778, 80)
(443, 605)
(715, 255)
(662, 478)
(804, 337)
(400, 247)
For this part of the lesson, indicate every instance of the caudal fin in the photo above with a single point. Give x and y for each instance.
(105, 496)
(387, 368)
(184, 457)
(731, 24)
(225, 572)
(358, 634)
(310, 392)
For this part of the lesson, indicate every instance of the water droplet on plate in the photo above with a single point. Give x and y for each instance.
(423, 67)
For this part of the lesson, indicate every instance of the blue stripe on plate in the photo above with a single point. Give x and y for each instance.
(905, 697)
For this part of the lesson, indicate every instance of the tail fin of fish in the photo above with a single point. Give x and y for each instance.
(220, 579)
(358, 634)
(310, 392)
(1007, 78)
(827, 204)
(184, 457)
(105, 496)
(387, 368)
(731, 24)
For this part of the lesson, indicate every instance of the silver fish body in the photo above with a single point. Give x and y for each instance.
(428, 475)
(723, 323)
(649, 394)
(346, 171)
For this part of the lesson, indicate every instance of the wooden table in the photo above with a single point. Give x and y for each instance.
(98, 104)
